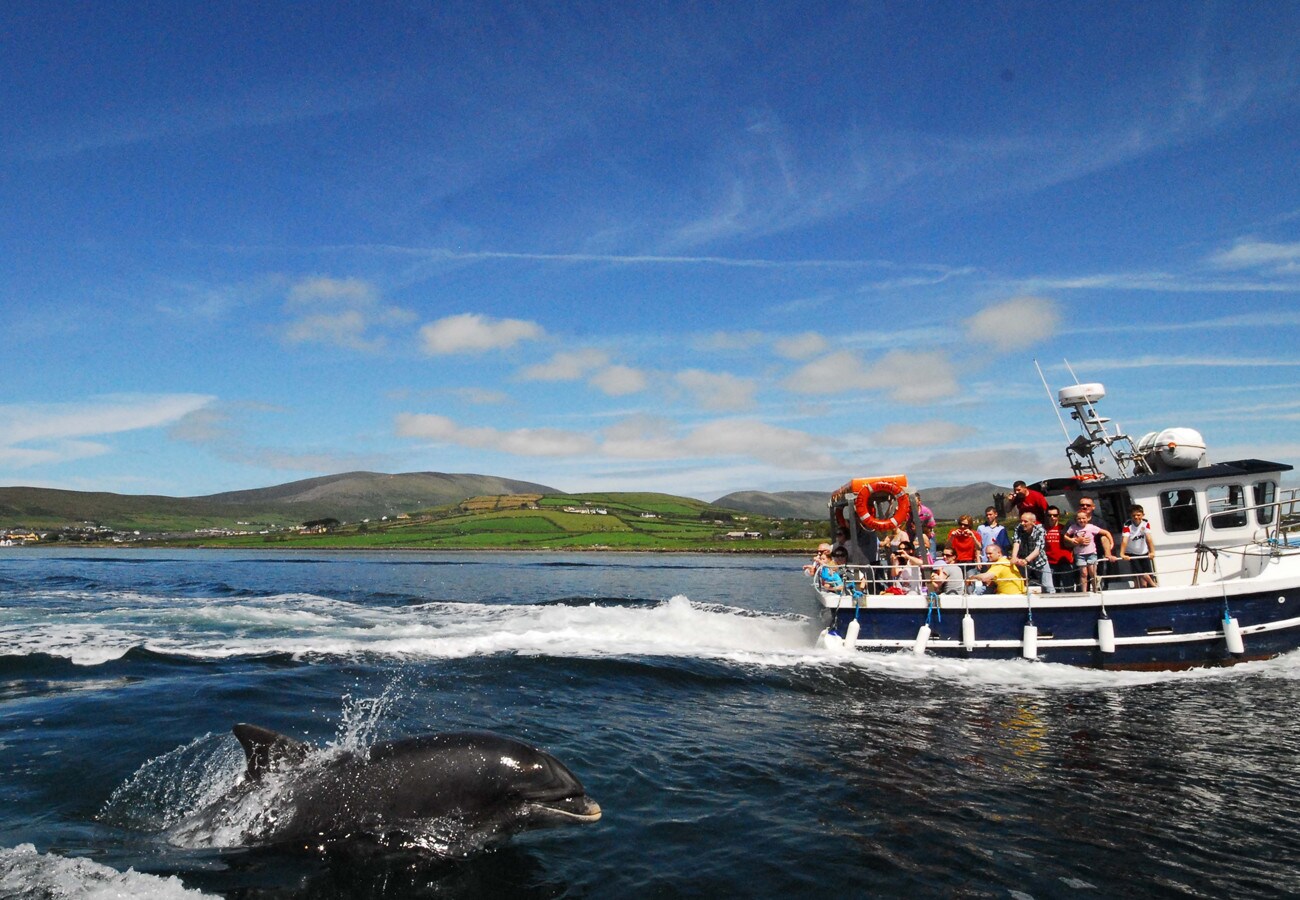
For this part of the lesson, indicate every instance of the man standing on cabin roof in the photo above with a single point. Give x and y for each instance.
(1027, 500)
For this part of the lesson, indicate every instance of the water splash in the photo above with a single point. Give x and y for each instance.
(27, 873)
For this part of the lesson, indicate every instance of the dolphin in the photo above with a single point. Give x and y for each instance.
(444, 792)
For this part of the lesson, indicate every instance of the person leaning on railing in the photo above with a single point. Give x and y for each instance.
(1001, 575)
(830, 575)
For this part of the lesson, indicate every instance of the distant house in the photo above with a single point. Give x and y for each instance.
(743, 535)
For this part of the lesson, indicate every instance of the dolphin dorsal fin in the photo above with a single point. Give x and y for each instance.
(267, 750)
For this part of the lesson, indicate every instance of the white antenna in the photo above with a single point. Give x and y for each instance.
(1052, 400)
(1094, 426)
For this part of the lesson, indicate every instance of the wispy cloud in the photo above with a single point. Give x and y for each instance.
(911, 377)
(934, 433)
(719, 391)
(1204, 362)
(471, 332)
(567, 365)
(648, 439)
(622, 259)
(619, 381)
(57, 432)
(801, 346)
(1015, 322)
(340, 312)
(1247, 253)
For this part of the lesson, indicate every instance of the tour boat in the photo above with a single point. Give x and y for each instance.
(1227, 577)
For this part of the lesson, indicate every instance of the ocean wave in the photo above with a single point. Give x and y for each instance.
(26, 873)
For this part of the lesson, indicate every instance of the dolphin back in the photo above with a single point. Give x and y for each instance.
(267, 750)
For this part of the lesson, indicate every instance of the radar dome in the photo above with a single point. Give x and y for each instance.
(1080, 394)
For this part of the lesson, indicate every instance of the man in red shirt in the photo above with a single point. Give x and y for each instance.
(1061, 559)
(1029, 501)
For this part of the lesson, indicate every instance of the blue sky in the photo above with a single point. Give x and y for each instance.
(683, 247)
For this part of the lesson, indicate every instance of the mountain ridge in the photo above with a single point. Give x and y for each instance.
(348, 496)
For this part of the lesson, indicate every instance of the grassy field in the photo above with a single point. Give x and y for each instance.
(633, 521)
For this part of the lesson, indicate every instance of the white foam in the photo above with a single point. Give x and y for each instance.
(309, 625)
(27, 873)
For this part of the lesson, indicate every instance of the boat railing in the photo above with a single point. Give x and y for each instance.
(1281, 522)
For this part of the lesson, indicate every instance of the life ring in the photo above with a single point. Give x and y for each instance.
(876, 492)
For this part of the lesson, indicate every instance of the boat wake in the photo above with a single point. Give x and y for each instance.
(26, 873)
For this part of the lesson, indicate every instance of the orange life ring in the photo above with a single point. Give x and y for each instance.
(875, 492)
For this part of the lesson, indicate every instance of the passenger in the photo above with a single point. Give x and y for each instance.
(905, 568)
(925, 518)
(1106, 549)
(1138, 548)
(954, 577)
(830, 575)
(1084, 537)
(1060, 558)
(965, 543)
(992, 532)
(821, 556)
(1030, 551)
(1000, 575)
(1027, 500)
(841, 538)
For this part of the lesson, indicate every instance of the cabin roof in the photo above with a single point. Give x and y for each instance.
(1235, 469)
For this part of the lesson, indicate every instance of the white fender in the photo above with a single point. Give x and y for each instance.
(851, 634)
(968, 632)
(1106, 634)
(1232, 635)
(922, 638)
(1029, 648)
(828, 641)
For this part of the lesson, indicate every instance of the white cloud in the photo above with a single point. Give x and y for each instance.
(340, 312)
(1185, 362)
(1015, 322)
(568, 365)
(759, 440)
(718, 390)
(518, 442)
(832, 373)
(801, 346)
(619, 381)
(469, 332)
(904, 376)
(728, 340)
(57, 429)
(333, 291)
(341, 329)
(915, 378)
(638, 438)
(933, 433)
(1247, 253)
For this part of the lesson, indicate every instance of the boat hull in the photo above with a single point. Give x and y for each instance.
(1154, 628)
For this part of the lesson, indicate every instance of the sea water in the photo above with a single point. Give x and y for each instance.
(730, 756)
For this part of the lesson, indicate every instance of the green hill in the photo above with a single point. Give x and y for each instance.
(348, 497)
(615, 521)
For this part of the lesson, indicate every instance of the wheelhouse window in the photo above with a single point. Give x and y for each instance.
(1227, 503)
(1265, 495)
(1178, 510)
